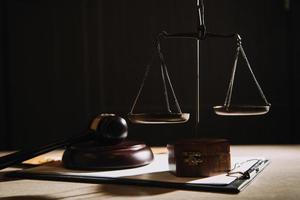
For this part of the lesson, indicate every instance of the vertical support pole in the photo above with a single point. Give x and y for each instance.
(198, 89)
(200, 26)
(201, 30)
(198, 75)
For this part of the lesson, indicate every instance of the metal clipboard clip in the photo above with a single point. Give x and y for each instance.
(237, 170)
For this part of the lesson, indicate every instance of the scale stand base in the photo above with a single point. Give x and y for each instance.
(94, 156)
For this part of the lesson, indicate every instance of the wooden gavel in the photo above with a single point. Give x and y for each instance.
(104, 127)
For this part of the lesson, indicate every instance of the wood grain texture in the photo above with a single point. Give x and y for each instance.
(94, 156)
(199, 157)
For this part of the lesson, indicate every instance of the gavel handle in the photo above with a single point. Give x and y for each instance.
(20, 156)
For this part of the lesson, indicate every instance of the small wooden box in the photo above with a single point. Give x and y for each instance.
(199, 157)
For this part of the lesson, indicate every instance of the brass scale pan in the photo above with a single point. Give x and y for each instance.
(175, 118)
(159, 118)
(241, 110)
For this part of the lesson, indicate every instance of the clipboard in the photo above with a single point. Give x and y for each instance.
(154, 175)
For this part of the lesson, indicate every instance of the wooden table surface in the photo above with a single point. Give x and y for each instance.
(280, 180)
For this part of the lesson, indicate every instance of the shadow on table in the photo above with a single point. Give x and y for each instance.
(126, 190)
(26, 198)
(5, 179)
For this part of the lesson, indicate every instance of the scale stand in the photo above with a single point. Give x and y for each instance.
(227, 109)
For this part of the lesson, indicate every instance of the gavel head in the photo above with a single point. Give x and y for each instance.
(109, 127)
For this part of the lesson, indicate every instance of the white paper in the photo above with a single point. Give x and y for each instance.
(158, 170)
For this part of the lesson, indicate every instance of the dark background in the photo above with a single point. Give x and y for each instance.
(63, 61)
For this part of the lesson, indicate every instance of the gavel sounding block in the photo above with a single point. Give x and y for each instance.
(199, 157)
(94, 156)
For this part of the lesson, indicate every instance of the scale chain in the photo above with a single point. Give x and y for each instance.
(230, 88)
(171, 86)
(165, 88)
(141, 86)
(164, 73)
(163, 64)
(253, 76)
